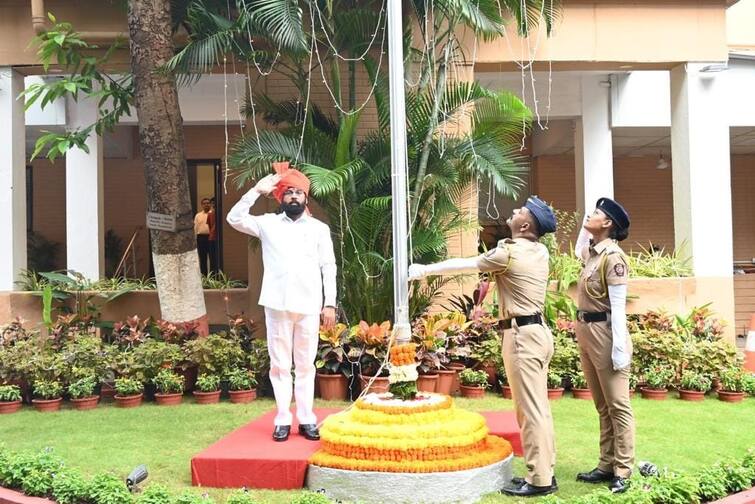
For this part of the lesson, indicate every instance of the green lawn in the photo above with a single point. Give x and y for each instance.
(671, 433)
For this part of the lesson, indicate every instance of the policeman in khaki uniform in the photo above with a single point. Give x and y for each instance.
(605, 347)
(520, 268)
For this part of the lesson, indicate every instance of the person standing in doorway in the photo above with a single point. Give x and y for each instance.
(213, 238)
(298, 290)
(604, 344)
(202, 230)
(520, 267)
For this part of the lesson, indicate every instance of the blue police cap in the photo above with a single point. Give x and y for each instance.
(546, 219)
(615, 212)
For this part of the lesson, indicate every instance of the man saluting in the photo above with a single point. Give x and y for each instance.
(298, 289)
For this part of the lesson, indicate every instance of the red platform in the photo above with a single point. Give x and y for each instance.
(248, 457)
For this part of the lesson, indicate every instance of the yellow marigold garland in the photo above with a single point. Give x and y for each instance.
(403, 355)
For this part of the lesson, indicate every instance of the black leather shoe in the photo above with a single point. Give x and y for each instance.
(619, 485)
(309, 431)
(281, 432)
(520, 488)
(595, 476)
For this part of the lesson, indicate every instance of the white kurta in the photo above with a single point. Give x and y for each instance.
(299, 279)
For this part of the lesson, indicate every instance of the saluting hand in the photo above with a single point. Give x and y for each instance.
(267, 184)
(417, 271)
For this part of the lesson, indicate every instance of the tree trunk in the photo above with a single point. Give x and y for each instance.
(161, 138)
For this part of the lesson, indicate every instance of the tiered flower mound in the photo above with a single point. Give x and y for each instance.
(427, 434)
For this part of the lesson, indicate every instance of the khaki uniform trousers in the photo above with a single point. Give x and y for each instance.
(610, 392)
(527, 351)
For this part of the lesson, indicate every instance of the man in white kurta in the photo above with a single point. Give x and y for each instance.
(298, 289)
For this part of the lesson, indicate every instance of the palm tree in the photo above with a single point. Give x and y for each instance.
(351, 174)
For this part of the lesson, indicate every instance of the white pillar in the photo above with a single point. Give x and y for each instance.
(12, 179)
(593, 146)
(701, 170)
(85, 251)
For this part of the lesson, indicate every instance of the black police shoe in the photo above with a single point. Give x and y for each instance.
(281, 432)
(595, 476)
(619, 485)
(520, 488)
(309, 431)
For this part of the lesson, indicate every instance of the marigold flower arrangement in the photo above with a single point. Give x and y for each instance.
(403, 371)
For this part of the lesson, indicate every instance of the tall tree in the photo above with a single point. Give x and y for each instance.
(161, 137)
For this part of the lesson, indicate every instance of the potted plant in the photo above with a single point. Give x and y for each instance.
(10, 399)
(430, 333)
(207, 389)
(555, 385)
(332, 353)
(693, 386)
(170, 387)
(82, 393)
(241, 386)
(372, 342)
(48, 395)
(216, 354)
(580, 390)
(732, 385)
(503, 381)
(633, 381)
(657, 380)
(128, 392)
(487, 353)
(473, 383)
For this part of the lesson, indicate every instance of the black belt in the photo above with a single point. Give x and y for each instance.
(521, 321)
(584, 316)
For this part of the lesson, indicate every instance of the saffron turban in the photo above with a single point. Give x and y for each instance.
(290, 177)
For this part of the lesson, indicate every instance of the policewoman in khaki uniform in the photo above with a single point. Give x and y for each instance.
(604, 344)
(519, 266)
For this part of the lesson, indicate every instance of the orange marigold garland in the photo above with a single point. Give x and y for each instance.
(403, 371)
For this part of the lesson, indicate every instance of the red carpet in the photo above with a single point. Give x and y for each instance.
(248, 457)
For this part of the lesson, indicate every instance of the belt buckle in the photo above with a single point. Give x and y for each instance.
(580, 316)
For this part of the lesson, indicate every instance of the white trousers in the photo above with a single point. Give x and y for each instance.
(292, 334)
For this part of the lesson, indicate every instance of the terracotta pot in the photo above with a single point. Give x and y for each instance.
(654, 394)
(169, 399)
(333, 387)
(506, 392)
(456, 386)
(582, 393)
(379, 386)
(45, 405)
(691, 395)
(726, 396)
(85, 403)
(107, 391)
(242, 396)
(131, 401)
(555, 393)
(472, 392)
(7, 407)
(427, 382)
(445, 381)
(207, 397)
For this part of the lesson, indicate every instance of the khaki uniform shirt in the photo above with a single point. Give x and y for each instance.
(520, 268)
(592, 294)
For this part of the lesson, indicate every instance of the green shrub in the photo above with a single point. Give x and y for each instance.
(240, 497)
(241, 379)
(109, 489)
(555, 380)
(675, 489)
(155, 494)
(694, 381)
(82, 388)
(37, 482)
(188, 497)
(69, 487)
(128, 386)
(659, 377)
(214, 354)
(749, 384)
(311, 498)
(712, 483)
(578, 380)
(10, 393)
(208, 383)
(472, 378)
(48, 389)
(732, 380)
(152, 356)
(168, 382)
